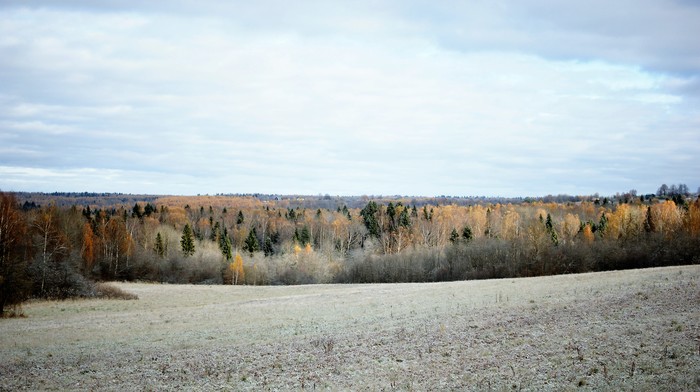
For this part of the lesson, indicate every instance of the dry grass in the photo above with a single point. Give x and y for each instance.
(627, 330)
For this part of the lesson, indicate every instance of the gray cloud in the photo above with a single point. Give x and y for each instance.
(410, 98)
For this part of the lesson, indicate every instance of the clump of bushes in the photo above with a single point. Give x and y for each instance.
(110, 291)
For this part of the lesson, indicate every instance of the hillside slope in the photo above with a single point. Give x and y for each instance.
(621, 330)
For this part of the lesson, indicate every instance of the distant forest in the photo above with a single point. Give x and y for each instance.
(56, 245)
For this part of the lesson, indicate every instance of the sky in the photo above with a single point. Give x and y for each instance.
(406, 97)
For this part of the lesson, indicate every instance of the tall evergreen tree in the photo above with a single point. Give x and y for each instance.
(404, 219)
(226, 248)
(267, 247)
(391, 211)
(187, 241)
(149, 209)
(305, 236)
(137, 212)
(215, 232)
(467, 233)
(454, 236)
(602, 225)
(251, 243)
(550, 229)
(369, 217)
(240, 219)
(649, 222)
(159, 246)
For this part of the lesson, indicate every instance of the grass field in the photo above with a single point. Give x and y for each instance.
(629, 330)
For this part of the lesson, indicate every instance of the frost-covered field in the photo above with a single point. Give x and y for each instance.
(628, 330)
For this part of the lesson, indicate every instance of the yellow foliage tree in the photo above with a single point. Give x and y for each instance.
(588, 234)
(626, 222)
(510, 228)
(666, 217)
(693, 218)
(570, 227)
(236, 268)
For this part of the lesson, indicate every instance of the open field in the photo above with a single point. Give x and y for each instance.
(623, 330)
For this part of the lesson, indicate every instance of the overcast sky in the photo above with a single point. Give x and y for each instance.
(497, 98)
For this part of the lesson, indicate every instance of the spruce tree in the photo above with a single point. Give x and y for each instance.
(467, 233)
(649, 226)
(215, 232)
(137, 212)
(369, 216)
(454, 236)
(404, 219)
(550, 229)
(187, 241)
(159, 247)
(391, 211)
(226, 248)
(267, 247)
(305, 236)
(602, 224)
(251, 243)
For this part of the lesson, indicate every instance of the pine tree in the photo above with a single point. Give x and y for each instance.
(369, 217)
(291, 215)
(226, 248)
(467, 233)
(550, 229)
(649, 222)
(391, 211)
(149, 209)
(305, 236)
(136, 212)
(267, 247)
(240, 219)
(404, 219)
(187, 241)
(602, 225)
(454, 236)
(159, 247)
(251, 243)
(215, 232)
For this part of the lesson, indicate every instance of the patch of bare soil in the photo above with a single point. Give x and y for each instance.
(620, 331)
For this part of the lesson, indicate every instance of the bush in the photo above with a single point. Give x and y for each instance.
(110, 291)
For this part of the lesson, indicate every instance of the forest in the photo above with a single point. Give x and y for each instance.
(50, 248)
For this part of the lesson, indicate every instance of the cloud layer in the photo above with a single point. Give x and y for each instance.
(494, 98)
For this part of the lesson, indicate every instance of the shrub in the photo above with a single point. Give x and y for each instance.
(110, 291)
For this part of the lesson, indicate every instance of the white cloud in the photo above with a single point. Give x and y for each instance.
(359, 101)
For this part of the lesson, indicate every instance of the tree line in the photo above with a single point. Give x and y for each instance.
(49, 251)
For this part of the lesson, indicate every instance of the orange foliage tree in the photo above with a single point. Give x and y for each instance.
(88, 248)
